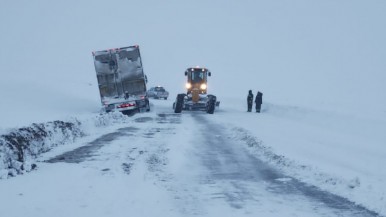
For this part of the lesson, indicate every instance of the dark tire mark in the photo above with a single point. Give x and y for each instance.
(242, 166)
(143, 119)
(88, 151)
(168, 118)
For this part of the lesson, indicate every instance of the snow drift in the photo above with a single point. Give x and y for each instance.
(20, 147)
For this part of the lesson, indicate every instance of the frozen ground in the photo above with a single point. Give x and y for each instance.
(186, 165)
(162, 160)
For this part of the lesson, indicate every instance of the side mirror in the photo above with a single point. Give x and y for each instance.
(145, 79)
(209, 74)
(186, 73)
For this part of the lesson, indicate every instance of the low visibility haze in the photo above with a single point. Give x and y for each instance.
(320, 65)
(318, 53)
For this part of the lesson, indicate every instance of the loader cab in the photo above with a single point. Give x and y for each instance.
(197, 79)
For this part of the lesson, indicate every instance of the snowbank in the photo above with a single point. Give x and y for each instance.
(19, 148)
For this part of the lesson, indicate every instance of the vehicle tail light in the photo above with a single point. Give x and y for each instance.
(125, 105)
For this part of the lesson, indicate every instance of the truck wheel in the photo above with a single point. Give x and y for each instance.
(147, 106)
(130, 112)
(179, 103)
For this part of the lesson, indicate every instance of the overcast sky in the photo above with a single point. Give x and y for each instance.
(308, 52)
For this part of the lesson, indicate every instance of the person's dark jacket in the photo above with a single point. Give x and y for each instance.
(259, 98)
(250, 97)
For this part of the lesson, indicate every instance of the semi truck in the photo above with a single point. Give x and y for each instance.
(121, 80)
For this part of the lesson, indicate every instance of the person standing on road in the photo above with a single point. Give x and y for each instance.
(250, 100)
(259, 101)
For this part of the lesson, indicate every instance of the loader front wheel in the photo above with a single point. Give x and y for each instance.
(211, 105)
(179, 103)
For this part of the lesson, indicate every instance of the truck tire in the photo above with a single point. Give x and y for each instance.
(147, 105)
(129, 112)
(179, 103)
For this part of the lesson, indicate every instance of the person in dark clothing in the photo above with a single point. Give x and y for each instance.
(259, 101)
(250, 100)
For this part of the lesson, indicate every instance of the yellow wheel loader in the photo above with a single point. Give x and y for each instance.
(196, 97)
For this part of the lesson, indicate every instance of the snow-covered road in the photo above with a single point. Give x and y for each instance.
(247, 186)
(165, 164)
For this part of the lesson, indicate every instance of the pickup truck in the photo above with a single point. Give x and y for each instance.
(158, 92)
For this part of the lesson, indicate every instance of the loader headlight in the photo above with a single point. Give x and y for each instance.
(188, 85)
(203, 86)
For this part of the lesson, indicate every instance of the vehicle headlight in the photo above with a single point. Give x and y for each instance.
(203, 86)
(188, 85)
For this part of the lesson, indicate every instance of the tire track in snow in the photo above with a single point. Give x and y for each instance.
(239, 172)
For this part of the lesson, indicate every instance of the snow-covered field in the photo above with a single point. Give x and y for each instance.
(320, 65)
(340, 152)
(298, 145)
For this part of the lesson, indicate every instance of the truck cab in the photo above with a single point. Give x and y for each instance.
(197, 79)
(196, 97)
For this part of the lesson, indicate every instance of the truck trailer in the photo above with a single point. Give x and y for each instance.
(121, 80)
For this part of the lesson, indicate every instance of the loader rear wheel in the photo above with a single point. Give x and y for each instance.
(179, 103)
